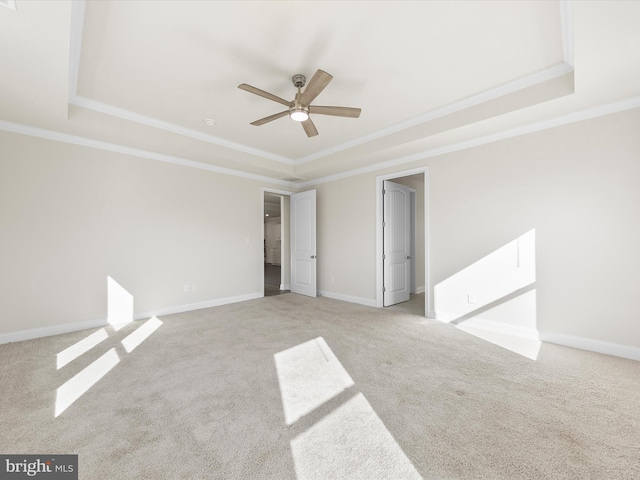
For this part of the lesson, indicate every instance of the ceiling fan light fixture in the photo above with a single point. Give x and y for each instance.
(298, 114)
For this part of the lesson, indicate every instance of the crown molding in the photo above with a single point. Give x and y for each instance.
(491, 94)
(107, 109)
(566, 27)
(10, 4)
(75, 48)
(77, 27)
(136, 152)
(599, 111)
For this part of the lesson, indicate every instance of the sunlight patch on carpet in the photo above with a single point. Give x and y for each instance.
(74, 388)
(309, 375)
(140, 334)
(350, 442)
(77, 349)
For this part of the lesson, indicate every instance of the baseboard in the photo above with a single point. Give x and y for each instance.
(420, 289)
(504, 328)
(582, 343)
(101, 322)
(608, 348)
(32, 333)
(444, 317)
(431, 314)
(285, 286)
(197, 306)
(348, 298)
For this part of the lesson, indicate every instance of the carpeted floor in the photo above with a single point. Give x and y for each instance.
(289, 387)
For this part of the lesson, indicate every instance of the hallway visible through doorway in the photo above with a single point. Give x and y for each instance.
(272, 280)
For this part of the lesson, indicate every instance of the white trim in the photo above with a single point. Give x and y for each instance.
(136, 152)
(279, 192)
(173, 128)
(102, 322)
(420, 290)
(77, 26)
(75, 50)
(285, 286)
(594, 112)
(197, 306)
(500, 327)
(566, 27)
(10, 4)
(491, 94)
(582, 343)
(348, 298)
(589, 113)
(444, 317)
(431, 314)
(32, 333)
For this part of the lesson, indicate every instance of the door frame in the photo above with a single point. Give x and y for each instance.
(380, 234)
(282, 233)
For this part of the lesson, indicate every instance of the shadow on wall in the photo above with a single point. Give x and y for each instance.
(495, 297)
(119, 314)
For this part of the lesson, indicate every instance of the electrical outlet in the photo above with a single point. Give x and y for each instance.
(194, 287)
(471, 299)
(186, 288)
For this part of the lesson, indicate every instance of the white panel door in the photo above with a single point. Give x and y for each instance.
(397, 243)
(303, 243)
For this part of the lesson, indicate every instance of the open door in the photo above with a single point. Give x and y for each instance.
(397, 243)
(303, 243)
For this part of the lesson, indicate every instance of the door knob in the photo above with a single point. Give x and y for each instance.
(313, 256)
(408, 257)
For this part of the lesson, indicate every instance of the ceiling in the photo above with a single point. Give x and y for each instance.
(141, 77)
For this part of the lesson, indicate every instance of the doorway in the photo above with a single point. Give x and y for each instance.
(416, 181)
(275, 206)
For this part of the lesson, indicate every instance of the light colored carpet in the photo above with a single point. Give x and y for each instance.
(289, 387)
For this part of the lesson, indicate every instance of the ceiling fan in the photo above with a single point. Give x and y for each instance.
(300, 108)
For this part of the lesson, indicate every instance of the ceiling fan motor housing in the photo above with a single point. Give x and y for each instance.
(299, 80)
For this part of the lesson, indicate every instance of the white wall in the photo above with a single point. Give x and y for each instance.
(578, 186)
(346, 243)
(71, 216)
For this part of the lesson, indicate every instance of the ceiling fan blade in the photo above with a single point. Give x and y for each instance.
(262, 93)
(270, 118)
(309, 128)
(336, 111)
(317, 83)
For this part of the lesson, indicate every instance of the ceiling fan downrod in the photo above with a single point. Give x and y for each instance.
(298, 112)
